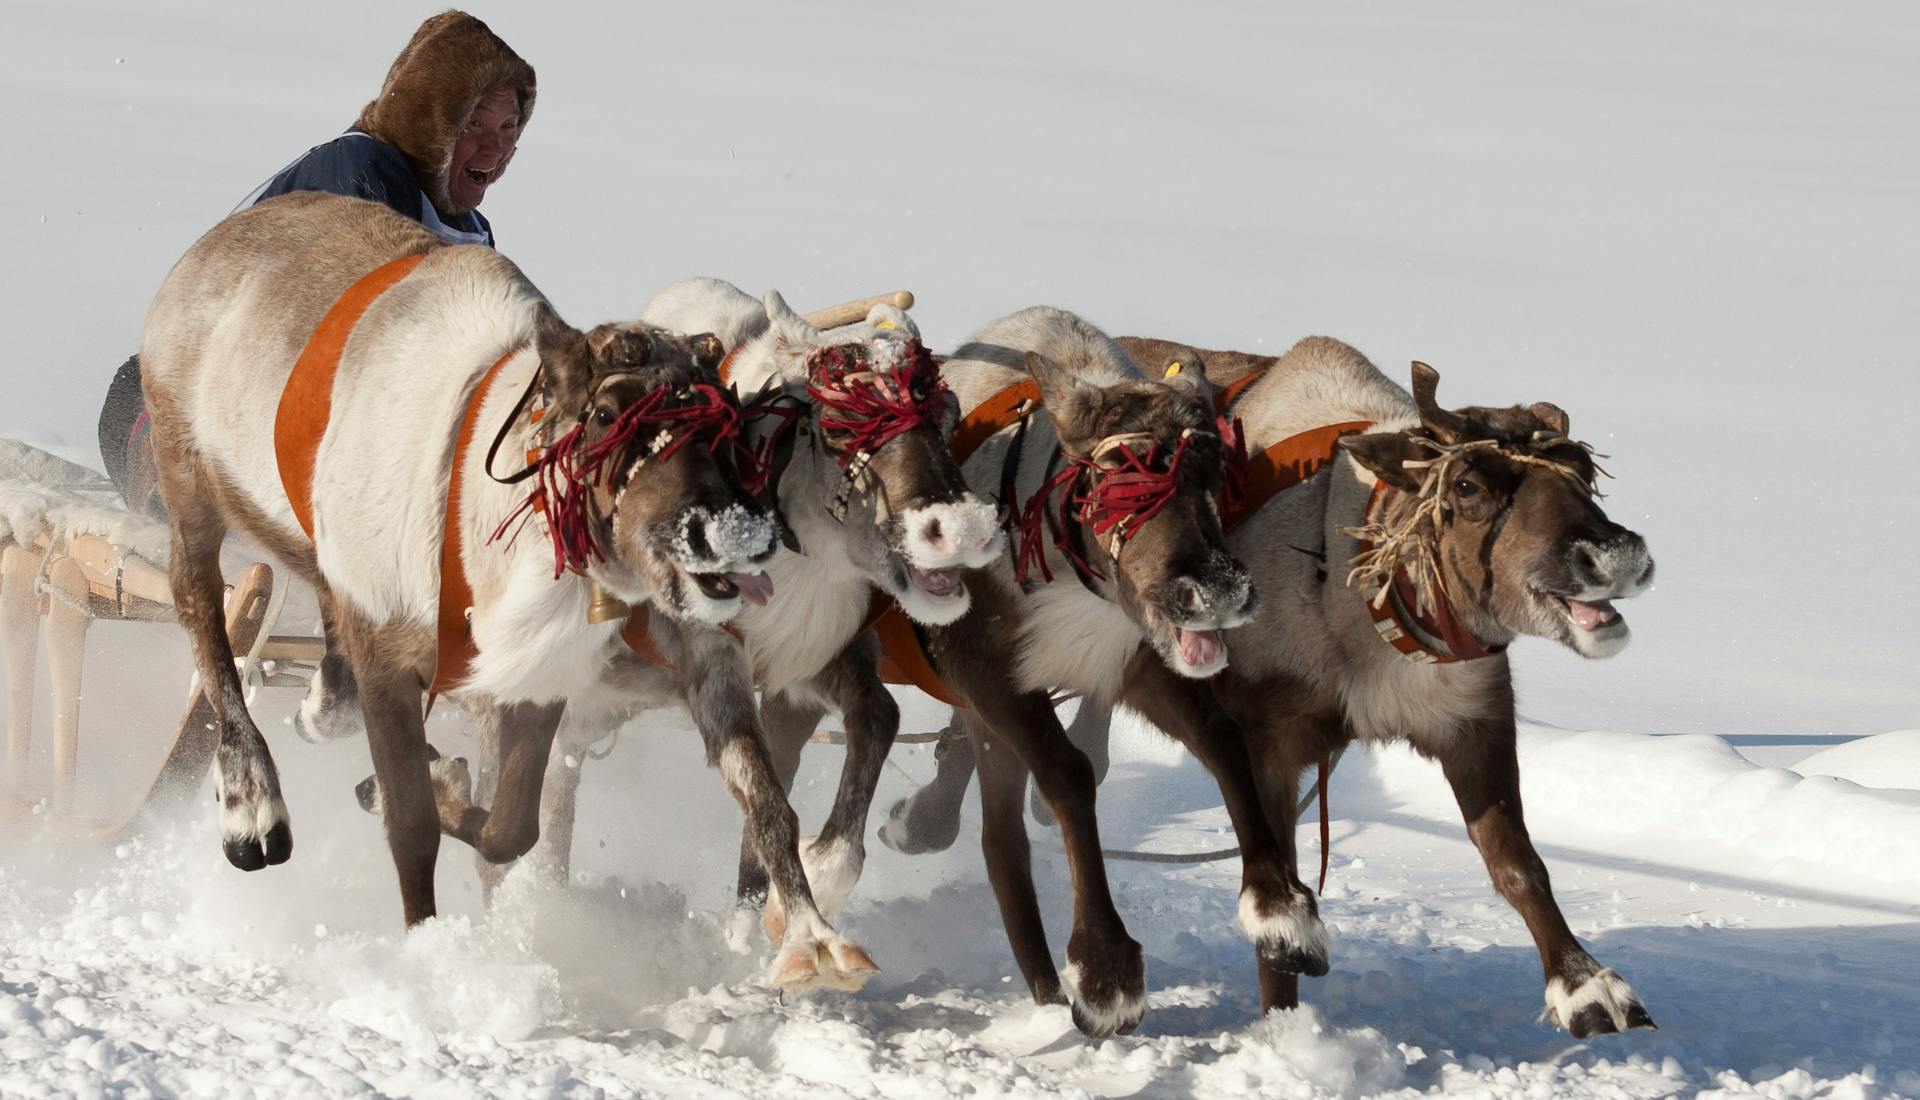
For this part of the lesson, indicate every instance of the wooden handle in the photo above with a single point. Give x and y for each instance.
(101, 559)
(849, 313)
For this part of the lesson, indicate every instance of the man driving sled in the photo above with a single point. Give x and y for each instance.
(439, 134)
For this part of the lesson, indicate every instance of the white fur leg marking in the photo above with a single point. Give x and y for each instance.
(1296, 928)
(253, 812)
(1103, 1019)
(321, 720)
(1604, 988)
(832, 873)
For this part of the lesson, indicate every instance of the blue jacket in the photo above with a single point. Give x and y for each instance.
(358, 164)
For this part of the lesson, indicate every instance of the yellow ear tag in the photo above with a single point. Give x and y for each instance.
(1173, 368)
(884, 326)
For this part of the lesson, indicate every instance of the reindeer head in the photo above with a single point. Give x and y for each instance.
(886, 482)
(1145, 466)
(641, 492)
(1499, 508)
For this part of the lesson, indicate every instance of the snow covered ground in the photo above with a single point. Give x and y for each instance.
(1692, 226)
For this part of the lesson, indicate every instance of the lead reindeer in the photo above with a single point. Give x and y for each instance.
(316, 367)
(1395, 578)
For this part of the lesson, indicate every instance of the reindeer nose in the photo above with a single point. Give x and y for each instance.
(933, 535)
(1187, 597)
(1619, 564)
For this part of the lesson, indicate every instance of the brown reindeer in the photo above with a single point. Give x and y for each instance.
(325, 375)
(1496, 509)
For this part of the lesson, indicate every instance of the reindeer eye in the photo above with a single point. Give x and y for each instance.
(1465, 489)
(603, 417)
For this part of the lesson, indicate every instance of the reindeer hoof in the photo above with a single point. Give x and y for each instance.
(835, 964)
(1602, 1004)
(1288, 937)
(250, 853)
(773, 917)
(900, 832)
(367, 792)
(1111, 1000)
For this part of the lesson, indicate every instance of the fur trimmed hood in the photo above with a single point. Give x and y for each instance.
(451, 64)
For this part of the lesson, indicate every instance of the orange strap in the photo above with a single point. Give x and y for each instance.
(1226, 396)
(306, 401)
(1286, 464)
(990, 416)
(455, 651)
(902, 660)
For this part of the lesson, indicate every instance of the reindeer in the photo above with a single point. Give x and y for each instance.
(1436, 539)
(865, 483)
(372, 339)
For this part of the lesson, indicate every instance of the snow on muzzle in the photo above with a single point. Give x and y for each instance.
(1199, 610)
(938, 543)
(724, 552)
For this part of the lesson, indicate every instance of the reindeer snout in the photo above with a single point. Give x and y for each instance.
(1616, 567)
(961, 532)
(1222, 596)
(724, 537)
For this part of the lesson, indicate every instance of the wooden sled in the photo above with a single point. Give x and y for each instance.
(67, 585)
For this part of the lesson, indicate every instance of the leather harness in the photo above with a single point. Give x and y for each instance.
(300, 422)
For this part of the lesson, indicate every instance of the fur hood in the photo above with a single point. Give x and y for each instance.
(451, 64)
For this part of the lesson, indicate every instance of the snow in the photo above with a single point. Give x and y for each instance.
(1691, 226)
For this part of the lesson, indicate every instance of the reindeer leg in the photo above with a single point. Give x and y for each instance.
(719, 694)
(552, 854)
(254, 827)
(387, 663)
(331, 709)
(833, 859)
(19, 637)
(1009, 857)
(1091, 732)
(928, 820)
(1105, 973)
(1277, 911)
(1482, 765)
(788, 723)
(485, 723)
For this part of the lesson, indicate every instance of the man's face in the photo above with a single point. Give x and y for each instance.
(484, 146)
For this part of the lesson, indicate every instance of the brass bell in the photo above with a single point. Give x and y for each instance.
(603, 606)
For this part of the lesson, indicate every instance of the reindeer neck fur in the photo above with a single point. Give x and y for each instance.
(1068, 637)
(1313, 627)
(819, 595)
(535, 643)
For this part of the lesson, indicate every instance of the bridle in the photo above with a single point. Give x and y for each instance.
(869, 406)
(1114, 501)
(1411, 546)
(568, 471)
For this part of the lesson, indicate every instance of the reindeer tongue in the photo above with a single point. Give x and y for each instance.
(755, 588)
(1591, 616)
(1198, 648)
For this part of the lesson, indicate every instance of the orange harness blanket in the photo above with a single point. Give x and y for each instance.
(300, 421)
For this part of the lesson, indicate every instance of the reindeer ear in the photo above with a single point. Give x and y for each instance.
(1187, 372)
(707, 351)
(1445, 426)
(1073, 406)
(1385, 454)
(790, 324)
(564, 356)
(1553, 415)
